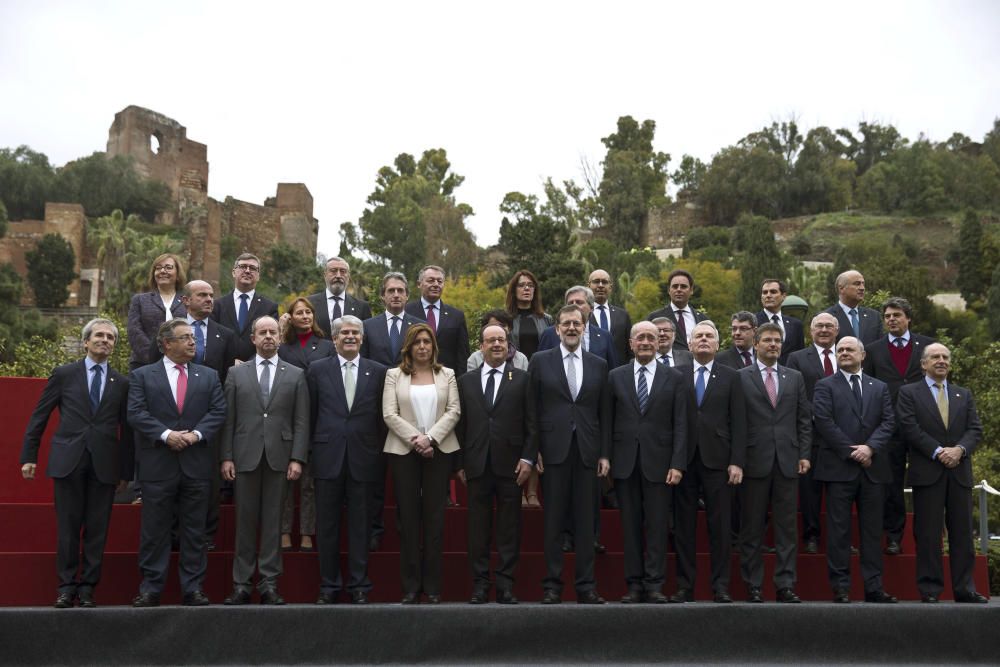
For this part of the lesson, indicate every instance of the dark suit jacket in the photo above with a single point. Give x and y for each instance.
(807, 361)
(656, 439)
(842, 424)
(503, 433)
(375, 343)
(878, 363)
(452, 334)
(275, 433)
(680, 358)
(795, 337)
(870, 323)
(783, 433)
(668, 311)
(559, 415)
(621, 327)
(351, 306)
(145, 315)
(152, 410)
(220, 348)
(315, 349)
(356, 434)
(731, 358)
(224, 312)
(601, 344)
(105, 434)
(718, 429)
(922, 428)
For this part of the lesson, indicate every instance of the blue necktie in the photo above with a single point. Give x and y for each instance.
(394, 337)
(95, 389)
(643, 390)
(199, 342)
(604, 319)
(855, 324)
(241, 317)
(699, 385)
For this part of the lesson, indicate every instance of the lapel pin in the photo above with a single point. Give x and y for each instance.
(510, 375)
(196, 375)
(367, 373)
(111, 379)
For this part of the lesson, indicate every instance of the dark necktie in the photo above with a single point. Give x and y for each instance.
(665, 360)
(394, 337)
(491, 387)
(431, 320)
(681, 327)
(337, 312)
(199, 342)
(856, 388)
(827, 364)
(643, 390)
(241, 317)
(265, 381)
(855, 323)
(699, 385)
(746, 358)
(95, 389)
(900, 343)
(776, 320)
(604, 319)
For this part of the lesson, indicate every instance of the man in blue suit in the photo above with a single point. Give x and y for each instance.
(447, 321)
(91, 453)
(174, 407)
(345, 392)
(852, 412)
(593, 339)
(772, 295)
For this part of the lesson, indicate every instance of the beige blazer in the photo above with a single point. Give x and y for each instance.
(399, 417)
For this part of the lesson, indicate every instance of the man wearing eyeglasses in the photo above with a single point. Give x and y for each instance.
(335, 302)
(243, 305)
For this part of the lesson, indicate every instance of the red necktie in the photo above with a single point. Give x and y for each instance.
(827, 365)
(772, 389)
(431, 320)
(182, 387)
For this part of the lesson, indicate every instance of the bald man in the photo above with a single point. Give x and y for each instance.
(613, 319)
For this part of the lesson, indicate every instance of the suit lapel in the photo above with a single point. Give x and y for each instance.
(916, 350)
(559, 369)
(659, 380)
(162, 384)
(505, 376)
(955, 402)
(926, 396)
(845, 387)
(363, 375)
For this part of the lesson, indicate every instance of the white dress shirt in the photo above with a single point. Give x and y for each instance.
(260, 369)
(650, 372)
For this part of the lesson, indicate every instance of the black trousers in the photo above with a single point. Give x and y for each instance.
(331, 496)
(421, 486)
(569, 487)
(894, 514)
(644, 504)
(944, 503)
(840, 497)
(718, 514)
(810, 504)
(780, 493)
(483, 491)
(83, 508)
(185, 498)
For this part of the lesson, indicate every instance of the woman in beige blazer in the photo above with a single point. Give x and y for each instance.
(420, 407)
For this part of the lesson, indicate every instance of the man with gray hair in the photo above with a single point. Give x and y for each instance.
(594, 339)
(448, 322)
(335, 302)
(665, 352)
(91, 454)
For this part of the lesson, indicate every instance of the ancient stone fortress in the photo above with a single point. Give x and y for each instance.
(161, 150)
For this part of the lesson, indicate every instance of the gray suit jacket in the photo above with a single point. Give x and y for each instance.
(782, 433)
(277, 431)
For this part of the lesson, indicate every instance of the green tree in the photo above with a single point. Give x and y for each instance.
(993, 304)
(688, 176)
(634, 180)
(50, 270)
(970, 249)
(876, 143)
(26, 181)
(3, 219)
(101, 185)
(291, 272)
(761, 259)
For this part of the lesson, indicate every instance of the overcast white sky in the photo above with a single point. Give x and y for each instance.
(325, 93)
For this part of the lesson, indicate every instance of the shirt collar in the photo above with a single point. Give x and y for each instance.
(931, 382)
(651, 366)
(905, 337)
(329, 295)
(708, 366)
(389, 316)
(257, 359)
(169, 365)
(848, 376)
(90, 363)
(237, 293)
(564, 351)
(485, 371)
(762, 368)
(343, 360)
(425, 303)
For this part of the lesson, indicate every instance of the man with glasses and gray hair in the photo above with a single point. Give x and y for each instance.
(238, 309)
(335, 302)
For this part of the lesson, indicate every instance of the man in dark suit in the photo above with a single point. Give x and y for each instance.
(593, 339)
(939, 423)
(91, 453)
(243, 305)
(815, 362)
(895, 359)
(680, 283)
(612, 319)
(348, 434)
(779, 435)
(648, 458)
(853, 414)
(742, 353)
(335, 301)
(381, 342)
(175, 408)
(499, 449)
(856, 320)
(717, 432)
(573, 405)
(772, 295)
(665, 352)
(265, 443)
(448, 322)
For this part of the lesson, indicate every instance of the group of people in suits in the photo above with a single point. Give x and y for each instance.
(329, 393)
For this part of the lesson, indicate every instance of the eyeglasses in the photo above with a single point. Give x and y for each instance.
(184, 337)
(434, 281)
(247, 267)
(600, 281)
(526, 286)
(164, 267)
(493, 341)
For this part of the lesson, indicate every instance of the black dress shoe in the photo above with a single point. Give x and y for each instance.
(146, 600)
(599, 548)
(551, 597)
(567, 545)
(892, 548)
(854, 550)
(880, 597)
(841, 596)
(632, 597)
(656, 597)
(195, 599)
(86, 599)
(271, 598)
(768, 549)
(787, 595)
(971, 598)
(359, 597)
(812, 546)
(506, 597)
(433, 598)
(239, 596)
(929, 599)
(410, 598)
(64, 601)
(210, 546)
(480, 596)
(374, 543)
(589, 597)
(754, 594)
(327, 598)
(682, 595)
(722, 597)
(610, 500)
